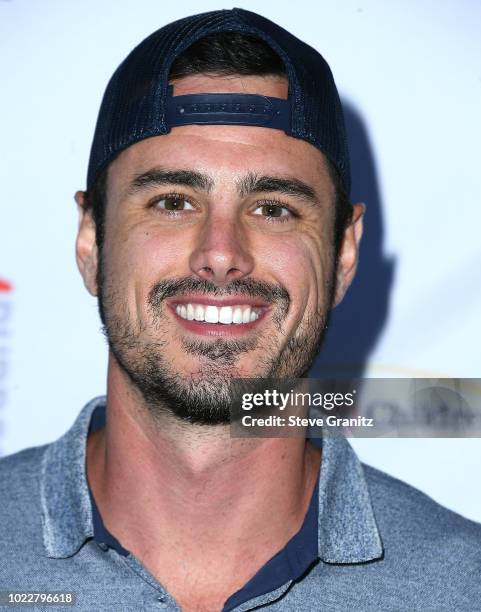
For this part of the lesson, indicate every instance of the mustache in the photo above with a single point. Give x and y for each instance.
(270, 293)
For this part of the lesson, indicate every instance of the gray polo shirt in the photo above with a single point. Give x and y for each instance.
(382, 544)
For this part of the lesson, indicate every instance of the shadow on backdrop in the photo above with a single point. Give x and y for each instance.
(358, 321)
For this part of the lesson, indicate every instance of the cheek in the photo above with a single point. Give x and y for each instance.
(135, 258)
(303, 264)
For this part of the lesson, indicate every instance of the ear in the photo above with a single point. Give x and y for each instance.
(349, 252)
(86, 247)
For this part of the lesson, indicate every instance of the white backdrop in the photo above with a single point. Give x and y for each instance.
(409, 73)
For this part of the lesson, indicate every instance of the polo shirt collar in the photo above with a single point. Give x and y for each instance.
(66, 510)
(347, 531)
(347, 528)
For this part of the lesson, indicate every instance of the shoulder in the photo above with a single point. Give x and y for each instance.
(20, 510)
(20, 470)
(408, 517)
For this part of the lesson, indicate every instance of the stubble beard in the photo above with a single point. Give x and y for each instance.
(206, 396)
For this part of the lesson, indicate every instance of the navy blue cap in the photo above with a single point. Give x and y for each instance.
(138, 102)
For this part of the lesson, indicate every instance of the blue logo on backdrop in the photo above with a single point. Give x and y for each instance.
(6, 289)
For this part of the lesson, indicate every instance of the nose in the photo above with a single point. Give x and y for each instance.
(221, 253)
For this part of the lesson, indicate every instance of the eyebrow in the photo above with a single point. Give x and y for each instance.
(252, 183)
(159, 176)
(249, 184)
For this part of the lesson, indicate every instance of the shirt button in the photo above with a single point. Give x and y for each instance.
(102, 546)
(161, 600)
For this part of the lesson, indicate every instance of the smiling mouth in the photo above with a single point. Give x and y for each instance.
(222, 315)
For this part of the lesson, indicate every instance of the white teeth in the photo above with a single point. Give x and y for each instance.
(225, 315)
(237, 316)
(213, 314)
(199, 313)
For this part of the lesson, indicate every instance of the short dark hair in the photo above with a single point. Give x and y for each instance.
(224, 54)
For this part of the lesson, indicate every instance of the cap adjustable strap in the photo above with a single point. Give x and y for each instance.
(228, 109)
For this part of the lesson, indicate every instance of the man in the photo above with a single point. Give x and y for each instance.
(217, 234)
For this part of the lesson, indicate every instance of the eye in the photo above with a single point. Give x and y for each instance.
(273, 210)
(173, 203)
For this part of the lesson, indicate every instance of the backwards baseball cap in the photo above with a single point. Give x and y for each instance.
(138, 102)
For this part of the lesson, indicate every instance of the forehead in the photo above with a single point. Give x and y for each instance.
(225, 152)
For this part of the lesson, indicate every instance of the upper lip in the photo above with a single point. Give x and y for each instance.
(232, 300)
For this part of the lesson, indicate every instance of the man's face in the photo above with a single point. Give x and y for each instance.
(218, 257)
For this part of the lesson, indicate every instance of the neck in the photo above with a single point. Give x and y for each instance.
(169, 487)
